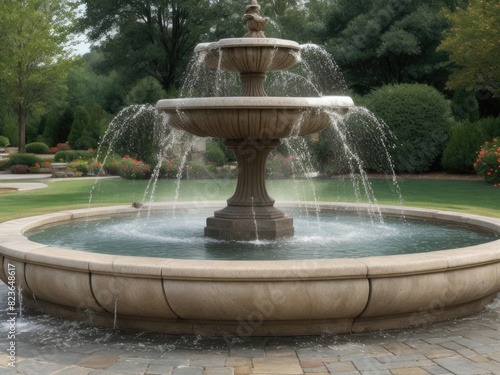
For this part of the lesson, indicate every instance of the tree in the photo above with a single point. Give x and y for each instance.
(146, 91)
(57, 126)
(473, 45)
(33, 58)
(148, 38)
(388, 42)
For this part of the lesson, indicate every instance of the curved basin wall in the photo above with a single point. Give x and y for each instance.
(252, 297)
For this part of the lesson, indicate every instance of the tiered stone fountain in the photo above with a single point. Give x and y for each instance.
(269, 297)
(251, 125)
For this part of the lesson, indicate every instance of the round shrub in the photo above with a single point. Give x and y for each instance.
(24, 159)
(488, 161)
(4, 141)
(419, 117)
(215, 155)
(37, 148)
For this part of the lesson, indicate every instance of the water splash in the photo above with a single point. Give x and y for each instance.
(202, 81)
(255, 222)
(137, 121)
(317, 75)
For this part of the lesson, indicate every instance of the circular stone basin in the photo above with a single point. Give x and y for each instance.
(250, 55)
(273, 297)
(252, 117)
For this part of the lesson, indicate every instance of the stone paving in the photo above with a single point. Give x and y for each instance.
(46, 345)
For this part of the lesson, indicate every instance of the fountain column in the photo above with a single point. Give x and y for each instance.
(250, 212)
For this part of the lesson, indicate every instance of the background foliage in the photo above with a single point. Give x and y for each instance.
(141, 51)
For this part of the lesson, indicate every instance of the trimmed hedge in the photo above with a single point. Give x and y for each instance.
(37, 148)
(420, 118)
(24, 159)
(71, 155)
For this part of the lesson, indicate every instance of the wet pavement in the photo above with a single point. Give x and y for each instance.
(47, 345)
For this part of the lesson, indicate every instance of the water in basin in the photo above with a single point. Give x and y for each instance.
(179, 234)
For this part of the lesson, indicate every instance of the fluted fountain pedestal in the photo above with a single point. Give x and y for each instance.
(250, 213)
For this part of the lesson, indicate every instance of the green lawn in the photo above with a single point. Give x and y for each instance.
(462, 195)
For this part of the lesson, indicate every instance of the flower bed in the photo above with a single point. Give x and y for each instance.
(488, 162)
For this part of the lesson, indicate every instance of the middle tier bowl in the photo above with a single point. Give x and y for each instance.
(252, 117)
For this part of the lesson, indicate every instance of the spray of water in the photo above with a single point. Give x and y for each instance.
(358, 141)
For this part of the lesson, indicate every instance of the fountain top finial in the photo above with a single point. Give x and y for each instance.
(254, 21)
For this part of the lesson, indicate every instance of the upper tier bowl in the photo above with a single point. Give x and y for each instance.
(252, 117)
(250, 55)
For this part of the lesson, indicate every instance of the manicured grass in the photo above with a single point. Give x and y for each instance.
(470, 196)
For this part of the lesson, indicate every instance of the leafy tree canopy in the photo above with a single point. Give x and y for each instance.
(382, 42)
(474, 47)
(149, 38)
(34, 58)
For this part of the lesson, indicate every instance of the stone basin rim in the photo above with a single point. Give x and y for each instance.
(267, 103)
(248, 42)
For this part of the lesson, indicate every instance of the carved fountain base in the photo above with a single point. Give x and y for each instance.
(250, 213)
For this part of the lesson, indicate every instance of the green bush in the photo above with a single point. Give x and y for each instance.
(490, 127)
(488, 161)
(24, 159)
(465, 139)
(420, 119)
(215, 155)
(461, 151)
(71, 155)
(85, 132)
(4, 141)
(37, 148)
(79, 165)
